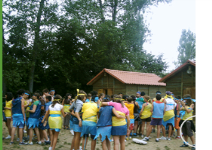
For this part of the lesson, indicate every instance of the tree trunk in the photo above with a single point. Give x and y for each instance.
(102, 13)
(114, 10)
(36, 47)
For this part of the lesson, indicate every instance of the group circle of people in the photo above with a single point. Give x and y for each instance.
(114, 118)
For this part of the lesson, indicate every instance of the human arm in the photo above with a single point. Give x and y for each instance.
(117, 115)
(46, 116)
(22, 108)
(128, 123)
(137, 104)
(33, 109)
(63, 113)
(63, 102)
(104, 104)
(152, 107)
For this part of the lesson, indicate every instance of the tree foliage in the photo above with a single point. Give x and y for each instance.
(65, 45)
(187, 47)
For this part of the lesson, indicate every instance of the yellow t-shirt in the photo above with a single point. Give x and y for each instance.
(147, 111)
(90, 111)
(7, 111)
(187, 115)
(130, 107)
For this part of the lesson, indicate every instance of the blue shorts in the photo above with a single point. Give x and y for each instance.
(156, 122)
(71, 124)
(119, 130)
(104, 132)
(18, 120)
(77, 128)
(88, 127)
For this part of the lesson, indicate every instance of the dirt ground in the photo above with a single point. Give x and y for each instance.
(65, 138)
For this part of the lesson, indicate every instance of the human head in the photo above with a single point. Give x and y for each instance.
(101, 95)
(9, 96)
(20, 92)
(125, 97)
(45, 92)
(57, 99)
(133, 97)
(118, 99)
(138, 94)
(48, 98)
(168, 93)
(158, 97)
(26, 95)
(68, 96)
(142, 93)
(146, 98)
(187, 98)
(35, 96)
(107, 98)
(89, 96)
(120, 94)
(81, 95)
(178, 98)
(129, 99)
(52, 91)
(94, 93)
(158, 92)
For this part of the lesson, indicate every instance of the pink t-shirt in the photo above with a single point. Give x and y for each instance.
(119, 107)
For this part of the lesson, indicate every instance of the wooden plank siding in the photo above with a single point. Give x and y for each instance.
(187, 81)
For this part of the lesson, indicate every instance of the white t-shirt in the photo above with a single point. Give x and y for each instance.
(57, 107)
(170, 104)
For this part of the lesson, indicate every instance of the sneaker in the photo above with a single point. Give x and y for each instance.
(29, 143)
(39, 142)
(50, 148)
(47, 142)
(163, 138)
(127, 139)
(184, 145)
(8, 137)
(22, 143)
(72, 132)
(178, 137)
(168, 139)
(142, 136)
(130, 138)
(145, 139)
(193, 148)
(11, 143)
(25, 131)
(156, 140)
(134, 134)
(131, 134)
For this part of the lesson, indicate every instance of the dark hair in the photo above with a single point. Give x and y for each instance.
(142, 93)
(178, 97)
(37, 95)
(125, 97)
(158, 96)
(45, 90)
(89, 95)
(101, 94)
(20, 92)
(129, 99)
(52, 89)
(38, 91)
(94, 93)
(56, 97)
(133, 97)
(49, 98)
(9, 96)
(66, 98)
(189, 102)
(120, 93)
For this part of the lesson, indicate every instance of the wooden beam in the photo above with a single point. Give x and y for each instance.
(181, 93)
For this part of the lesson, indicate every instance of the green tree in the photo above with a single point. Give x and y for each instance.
(187, 47)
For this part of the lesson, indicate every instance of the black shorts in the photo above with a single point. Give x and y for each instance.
(147, 119)
(186, 129)
(136, 117)
(92, 136)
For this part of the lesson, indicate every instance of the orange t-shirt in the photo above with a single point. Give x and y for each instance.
(130, 107)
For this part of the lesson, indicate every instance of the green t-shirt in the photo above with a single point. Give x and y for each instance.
(36, 103)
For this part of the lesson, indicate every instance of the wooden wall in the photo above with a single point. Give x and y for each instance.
(182, 83)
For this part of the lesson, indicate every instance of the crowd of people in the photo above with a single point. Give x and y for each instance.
(115, 118)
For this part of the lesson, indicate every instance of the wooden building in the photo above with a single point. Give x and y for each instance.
(115, 81)
(181, 81)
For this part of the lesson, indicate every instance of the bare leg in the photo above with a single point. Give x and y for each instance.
(52, 137)
(93, 144)
(142, 127)
(147, 127)
(72, 144)
(104, 144)
(135, 127)
(37, 133)
(116, 142)
(41, 135)
(192, 140)
(122, 138)
(83, 142)
(9, 126)
(163, 130)
(170, 131)
(158, 130)
(77, 140)
(108, 144)
(30, 134)
(21, 134)
(45, 135)
(55, 137)
(12, 134)
(149, 130)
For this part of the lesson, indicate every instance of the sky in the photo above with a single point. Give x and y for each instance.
(166, 22)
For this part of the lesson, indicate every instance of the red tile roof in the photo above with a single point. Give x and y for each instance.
(177, 70)
(129, 77)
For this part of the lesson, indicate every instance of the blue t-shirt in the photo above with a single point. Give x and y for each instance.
(96, 99)
(105, 116)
